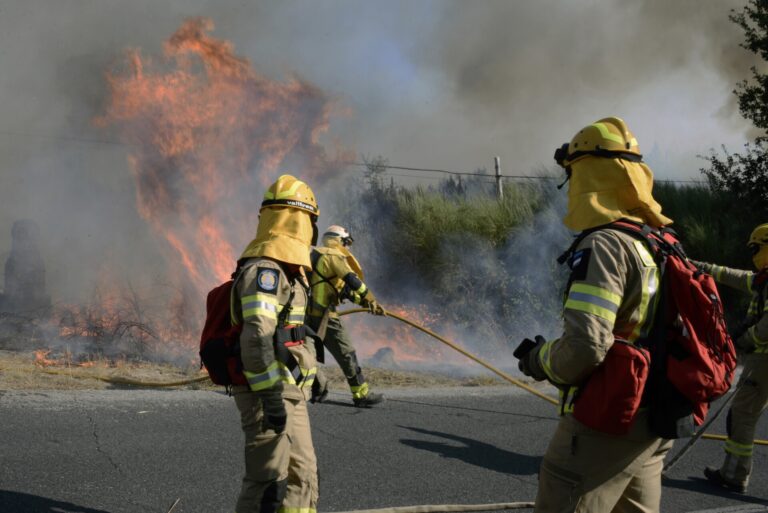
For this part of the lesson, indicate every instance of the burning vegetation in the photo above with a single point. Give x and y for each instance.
(205, 133)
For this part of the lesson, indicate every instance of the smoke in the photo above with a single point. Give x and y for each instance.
(428, 84)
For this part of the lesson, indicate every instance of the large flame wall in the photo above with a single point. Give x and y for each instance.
(206, 132)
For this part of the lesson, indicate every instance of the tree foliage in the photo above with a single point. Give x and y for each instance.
(753, 96)
(744, 175)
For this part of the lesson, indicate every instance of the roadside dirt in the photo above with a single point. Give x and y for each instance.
(29, 370)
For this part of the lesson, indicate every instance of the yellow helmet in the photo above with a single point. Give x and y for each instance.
(288, 191)
(758, 246)
(608, 178)
(608, 138)
(759, 235)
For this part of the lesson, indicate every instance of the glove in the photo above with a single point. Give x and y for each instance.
(369, 301)
(274, 413)
(375, 308)
(528, 354)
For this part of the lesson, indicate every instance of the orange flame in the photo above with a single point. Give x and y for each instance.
(407, 344)
(41, 358)
(206, 133)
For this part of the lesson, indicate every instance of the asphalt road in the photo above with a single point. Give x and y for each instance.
(117, 451)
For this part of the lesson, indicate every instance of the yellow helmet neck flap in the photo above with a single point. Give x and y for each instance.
(284, 234)
(609, 180)
(606, 190)
(287, 223)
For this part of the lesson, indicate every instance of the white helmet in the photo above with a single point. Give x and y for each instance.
(340, 232)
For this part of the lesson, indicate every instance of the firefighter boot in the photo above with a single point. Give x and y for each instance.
(716, 478)
(368, 400)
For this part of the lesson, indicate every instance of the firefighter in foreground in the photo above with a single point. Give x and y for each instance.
(336, 276)
(751, 337)
(611, 294)
(269, 298)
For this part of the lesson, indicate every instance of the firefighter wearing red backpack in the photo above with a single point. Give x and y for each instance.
(609, 302)
(269, 299)
(751, 336)
(336, 276)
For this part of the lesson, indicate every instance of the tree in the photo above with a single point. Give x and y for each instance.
(744, 175)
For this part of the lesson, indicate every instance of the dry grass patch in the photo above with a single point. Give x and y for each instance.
(19, 371)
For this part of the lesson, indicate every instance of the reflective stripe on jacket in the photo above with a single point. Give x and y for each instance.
(757, 313)
(259, 301)
(612, 293)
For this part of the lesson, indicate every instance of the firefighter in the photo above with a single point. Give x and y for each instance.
(751, 337)
(269, 298)
(336, 276)
(610, 295)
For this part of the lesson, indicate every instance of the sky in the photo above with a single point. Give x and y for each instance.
(423, 83)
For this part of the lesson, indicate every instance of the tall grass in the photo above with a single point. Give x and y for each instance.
(425, 220)
(489, 266)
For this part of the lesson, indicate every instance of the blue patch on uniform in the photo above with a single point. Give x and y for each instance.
(267, 279)
(576, 259)
(579, 264)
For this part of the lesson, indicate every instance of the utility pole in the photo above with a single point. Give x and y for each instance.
(499, 188)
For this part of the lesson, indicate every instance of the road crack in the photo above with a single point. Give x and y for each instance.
(97, 440)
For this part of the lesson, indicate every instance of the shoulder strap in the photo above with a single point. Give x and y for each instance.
(630, 227)
(314, 257)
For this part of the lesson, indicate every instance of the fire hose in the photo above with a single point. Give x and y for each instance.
(503, 375)
(506, 376)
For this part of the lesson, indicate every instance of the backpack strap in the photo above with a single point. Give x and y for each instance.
(654, 238)
(314, 257)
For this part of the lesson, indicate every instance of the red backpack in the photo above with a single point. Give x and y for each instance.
(687, 360)
(220, 340)
(693, 358)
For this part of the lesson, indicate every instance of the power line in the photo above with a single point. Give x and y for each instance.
(422, 177)
(461, 173)
(363, 164)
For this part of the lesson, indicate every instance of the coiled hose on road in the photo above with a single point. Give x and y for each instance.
(501, 374)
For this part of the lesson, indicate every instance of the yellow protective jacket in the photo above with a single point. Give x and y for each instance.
(757, 314)
(331, 272)
(611, 294)
(260, 296)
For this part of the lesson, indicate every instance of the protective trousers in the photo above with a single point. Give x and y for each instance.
(280, 469)
(337, 341)
(587, 471)
(749, 403)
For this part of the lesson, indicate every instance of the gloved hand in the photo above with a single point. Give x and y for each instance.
(275, 416)
(528, 354)
(375, 308)
(369, 301)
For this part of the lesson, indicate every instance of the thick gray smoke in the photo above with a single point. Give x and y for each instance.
(427, 83)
